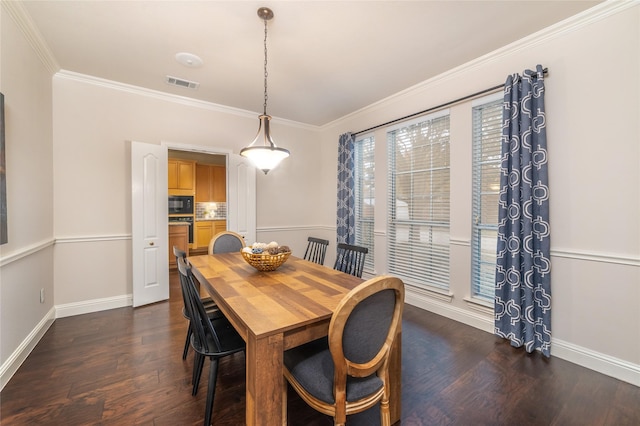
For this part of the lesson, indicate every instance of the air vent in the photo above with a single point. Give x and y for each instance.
(175, 81)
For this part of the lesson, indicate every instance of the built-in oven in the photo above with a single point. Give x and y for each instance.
(188, 219)
(180, 204)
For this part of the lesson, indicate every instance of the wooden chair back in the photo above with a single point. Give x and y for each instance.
(226, 242)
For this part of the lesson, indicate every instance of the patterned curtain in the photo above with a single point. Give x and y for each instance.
(346, 196)
(523, 280)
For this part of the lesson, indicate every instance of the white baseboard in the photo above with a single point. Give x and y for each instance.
(602, 363)
(95, 305)
(11, 365)
(584, 357)
(473, 319)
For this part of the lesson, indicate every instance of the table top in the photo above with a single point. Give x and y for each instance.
(298, 293)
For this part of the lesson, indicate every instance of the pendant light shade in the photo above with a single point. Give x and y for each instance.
(263, 152)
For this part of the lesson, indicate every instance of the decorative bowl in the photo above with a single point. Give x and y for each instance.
(265, 261)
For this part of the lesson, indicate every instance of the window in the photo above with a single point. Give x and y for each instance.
(418, 230)
(487, 132)
(364, 165)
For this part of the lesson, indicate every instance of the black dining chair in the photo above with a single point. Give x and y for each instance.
(316, 250)
(210, 306)
(226, 242)
(350, 259)
(210, 338)
(348, 371)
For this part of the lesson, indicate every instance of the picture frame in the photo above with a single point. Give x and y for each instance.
(3, 178)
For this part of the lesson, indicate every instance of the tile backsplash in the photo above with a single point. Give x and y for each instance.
(213, 211)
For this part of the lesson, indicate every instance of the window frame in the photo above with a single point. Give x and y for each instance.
(483, 281)
(423, 258)
(364, 214)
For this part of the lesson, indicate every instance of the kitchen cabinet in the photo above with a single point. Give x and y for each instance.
(181, 177)
(211, 183)
(205, 230)
(179, 237)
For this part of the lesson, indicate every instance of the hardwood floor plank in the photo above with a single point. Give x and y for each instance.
(124, 366)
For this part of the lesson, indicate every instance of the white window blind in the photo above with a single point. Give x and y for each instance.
(487, 132)
(418, 188)
(365, 196)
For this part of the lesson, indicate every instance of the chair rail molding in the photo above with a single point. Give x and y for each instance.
(25, 251)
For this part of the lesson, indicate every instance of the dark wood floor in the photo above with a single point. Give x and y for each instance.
(124, 367)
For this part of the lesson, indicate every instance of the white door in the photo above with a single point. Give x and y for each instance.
(149, 223)
(241, 200)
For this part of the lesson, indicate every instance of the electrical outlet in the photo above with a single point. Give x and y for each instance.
(42, 295)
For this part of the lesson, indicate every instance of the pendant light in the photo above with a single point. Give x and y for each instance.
(263, 152)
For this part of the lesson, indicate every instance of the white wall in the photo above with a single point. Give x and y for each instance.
(95, 121)
(74, 183)
(593, 113)
(26, 261)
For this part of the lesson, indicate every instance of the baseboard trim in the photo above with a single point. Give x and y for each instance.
(584, 357)
(94, 305)
(11, 365)
(602, 363)
(477, 320)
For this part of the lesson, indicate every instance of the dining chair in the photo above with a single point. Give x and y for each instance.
(316, 250)
(350, 259)
(226, 242)
(211, 338)
(210, 306)
(348, 371)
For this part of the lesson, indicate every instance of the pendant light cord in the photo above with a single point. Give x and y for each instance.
(265, 68)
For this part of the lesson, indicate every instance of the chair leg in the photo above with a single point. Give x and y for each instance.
(211, 391)
(385, 414)
(187, 343)
(198, 363)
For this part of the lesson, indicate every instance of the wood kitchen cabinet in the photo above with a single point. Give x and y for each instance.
(205, 230)
(181, 177)
(211, 183)
(179, 237)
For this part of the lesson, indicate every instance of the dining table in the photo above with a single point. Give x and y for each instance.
(277, 310)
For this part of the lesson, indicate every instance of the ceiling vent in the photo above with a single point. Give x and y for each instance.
(175, 81)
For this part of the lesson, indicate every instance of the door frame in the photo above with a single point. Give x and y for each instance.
(232, 222)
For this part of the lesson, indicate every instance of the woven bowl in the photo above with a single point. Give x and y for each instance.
(265, 261)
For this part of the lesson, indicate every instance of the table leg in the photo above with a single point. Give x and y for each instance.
(265, 381)
(395, 379)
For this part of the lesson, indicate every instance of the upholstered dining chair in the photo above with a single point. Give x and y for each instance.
(211, 338)
(210, 306)
(226, 242)
(316, 250)
(350, 259)
(348, 371)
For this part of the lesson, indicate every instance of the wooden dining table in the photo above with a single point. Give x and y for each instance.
(275, 311)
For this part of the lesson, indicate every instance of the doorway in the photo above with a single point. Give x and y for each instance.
(209, 192)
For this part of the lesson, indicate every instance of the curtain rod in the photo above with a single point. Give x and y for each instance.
(464, 98)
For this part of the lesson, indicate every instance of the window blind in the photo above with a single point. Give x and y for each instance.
(418, 188)
(487, 133)
(364, 177)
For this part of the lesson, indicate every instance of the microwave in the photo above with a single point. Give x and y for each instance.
(180, 204)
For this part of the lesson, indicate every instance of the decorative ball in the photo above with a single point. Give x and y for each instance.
(284, 249)
(256, 250)
(273, 250)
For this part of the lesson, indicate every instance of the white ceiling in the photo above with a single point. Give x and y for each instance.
(325, 58)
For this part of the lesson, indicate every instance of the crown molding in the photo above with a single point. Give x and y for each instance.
(176, 99)
(23, 20)
(573, 23)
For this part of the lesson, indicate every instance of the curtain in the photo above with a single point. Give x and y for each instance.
(523, 280)
(346, 195)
